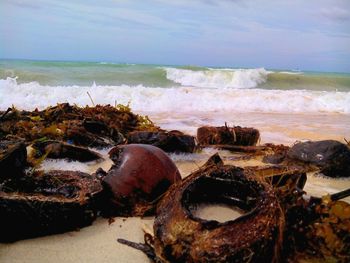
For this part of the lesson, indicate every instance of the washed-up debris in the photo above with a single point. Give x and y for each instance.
(98, 126)
(47, 203)
(277, 154)
(140, 175)
(224, 135)
(59, 150)
(318, 229)
(332, 157)
(181, 236)
(278, 224)
(172, 141)
(13, 158)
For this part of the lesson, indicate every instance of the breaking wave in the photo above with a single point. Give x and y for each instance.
(218, 78)
(174, 99)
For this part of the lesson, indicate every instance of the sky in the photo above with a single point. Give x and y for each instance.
(275, 34)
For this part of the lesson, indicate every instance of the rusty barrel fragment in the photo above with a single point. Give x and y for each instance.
(237, 135)
(139, 176)
(254, 237)
(47, 203)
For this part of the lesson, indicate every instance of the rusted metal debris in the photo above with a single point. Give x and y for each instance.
(224, 135)
(278, 224)
(47, 203)
(139, 177)
(172, 141)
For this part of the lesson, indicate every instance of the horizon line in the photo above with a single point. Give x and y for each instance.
(175, 65)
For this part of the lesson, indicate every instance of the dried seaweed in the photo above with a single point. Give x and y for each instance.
(64, 122)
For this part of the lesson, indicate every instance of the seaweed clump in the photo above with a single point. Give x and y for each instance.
(97, 126)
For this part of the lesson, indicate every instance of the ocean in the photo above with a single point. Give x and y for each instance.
(286, 105)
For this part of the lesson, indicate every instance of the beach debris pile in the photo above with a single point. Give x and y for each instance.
(36, 200)
(180, 236)
(42, 203)
(279, 222)
(99, 126)
(320, 230)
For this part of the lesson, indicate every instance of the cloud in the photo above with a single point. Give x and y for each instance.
(244, 32)
(24, 4)
(335, 13)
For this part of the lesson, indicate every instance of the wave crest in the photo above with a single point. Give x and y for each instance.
(176, 99)
(218, 78)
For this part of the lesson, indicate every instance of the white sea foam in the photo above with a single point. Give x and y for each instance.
(177, 99)
(218, 78)
(291, 72)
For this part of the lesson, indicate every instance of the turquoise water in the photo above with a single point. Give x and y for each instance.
(82, 73)
(163, 88)
(55, 73)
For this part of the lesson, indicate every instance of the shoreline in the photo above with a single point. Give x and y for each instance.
(284, 128)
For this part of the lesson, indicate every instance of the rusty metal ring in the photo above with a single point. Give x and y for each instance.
(255, 236)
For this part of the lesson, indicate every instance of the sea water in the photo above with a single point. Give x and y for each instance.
(285, 105)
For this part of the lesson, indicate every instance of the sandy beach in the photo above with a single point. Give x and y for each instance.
(98, 243)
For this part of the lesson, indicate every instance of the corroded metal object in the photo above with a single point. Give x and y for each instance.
(46, 203)
(172, 141)
(224, 135)
(254, 237)
(140, 175)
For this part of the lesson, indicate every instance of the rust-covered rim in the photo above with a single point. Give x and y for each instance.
(180, 235)
(238, 194)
